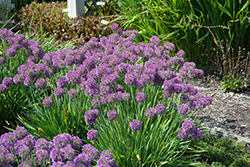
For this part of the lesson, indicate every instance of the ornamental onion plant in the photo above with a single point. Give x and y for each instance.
(133, 100)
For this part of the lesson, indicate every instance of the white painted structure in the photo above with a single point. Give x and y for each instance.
(76, 7)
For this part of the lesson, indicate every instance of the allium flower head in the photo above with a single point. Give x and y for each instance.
(59, 92)
(11, 52)
(86, 147)
(130, 79)
(42, 155)
(119, 88)
(23, 151)
(2, 60)
(56, 155)
(7, 81)
(169, 46)
(28, 81)
(177, 88)
(90, 116)
(135, 125)
(105, 90)
(60, 141)
(160, 109)
(196, 134)
(20, 132)
(92, 135)
(208, 100)
(93, 153)
(41, 83)
(111, 98)
(91, 83)
(155, 40)
(183, 109)
(76, 142)
(57, 164)
(41, 143)
(8, 139)
(19, 78)
(150, 113)
(184, 98)
(69, 60)
(75, 78)
(201, 103)
(24, 164)
(62, 82)
(82, 158)
(40, 68)
(30, 141)
(192, 90)
(47, 102)
(72, 93)
(3, 88)
(107, 154)
(181, 53)
(126, 96)
(69, 153)
(182, 134)
(10, 158)
(112, 114)
(114, 26)
(140, 97)
(95, 102)
(188, 126)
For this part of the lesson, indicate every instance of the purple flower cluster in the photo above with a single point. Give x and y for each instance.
(189, 128)
(135, 125)
(91, 116)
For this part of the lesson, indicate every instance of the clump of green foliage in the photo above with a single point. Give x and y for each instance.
(6, 8)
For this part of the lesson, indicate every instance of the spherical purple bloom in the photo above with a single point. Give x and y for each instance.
(76, 142)
(8, 139)
(95, 102)
(182, 134)
(188, 126)
(82, 158)
(2, 157)
(91, 83)
(90, 116)
(42, 155)
(177, 88)
(72, 93)
(75, 78)
(2, 60)
(30, 141)
(60, 141)
(28, 81)
(20, 132)
(69, 60)
(47, 102)
(41, 144)
(24, 164)
(130, 79)
(57, 164)
(105, 90)
(7, 81)
(112, 114)
(208, 100)
(111, 98)
(10, 52)
(114, 26)
(92, 135)
(155, 40)
(183, 109)
(201, 103)
(59, 92)
(140, 97)
(119, 96)
(150, 113)
(135, 125)
(69, 153)
(196, 134)
(126, 96)
(41, 83)
(107, 154)
(119, 88)
(23, 151)
(169, 46)
(192, 90)
(181, 53)
(160, 109)
(62, 82)
(19, 78)
(93, 153)
(184, 98)
(3, 88)
(86, 147)
(77, 59)
(56, 155)
(10, 158)
(111, 79)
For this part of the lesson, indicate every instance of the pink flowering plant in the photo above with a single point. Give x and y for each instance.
(133, 100)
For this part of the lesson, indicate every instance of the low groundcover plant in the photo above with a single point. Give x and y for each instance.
(132, 100)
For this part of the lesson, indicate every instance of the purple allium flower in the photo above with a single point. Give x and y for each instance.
(69, 153)
(208, 100)
(119, 96)
(184, 98)
(150, 113)
(75, 78)
(105, 90)
(47, 102)
(59, 92)
(23, 151)
(111, 79)
(169, 46)
(114, 26)
(28, 81)
(160, 109)
(69, 60)
(140, 97)
(41, 83)
(135, 125)
(177, 88)
(155, 40)
(77, 59)
(2, 157)
(90, 116)
(149, 52)
(112, 114)
(72, 93)
(10, 158)
(86, 147)
(119, 88)
(192, 90)
(16, 145)
(57, 164)
(130, 79)
(91, 83)
(93, 153)
(24, 164)
(20, 132)
(72, 164)
(40, 68)
(105, 162)
(42, 155)
(7, 81)
(188, 126)
(41, 144)
(11, 52)
(2, 60)
(30, 141)
(76, 142)
(3, 88)
(60, 141)
(95, 102)
(126, 96)
(82, 158)
(8, 139)
(111, 98)
(196, 134)
(92, 135)
(182, 134)
(62, 82)
(56, 155)
(107, 154)
(181, 53)
(183, 109)
(201, 103)
(19, 78)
